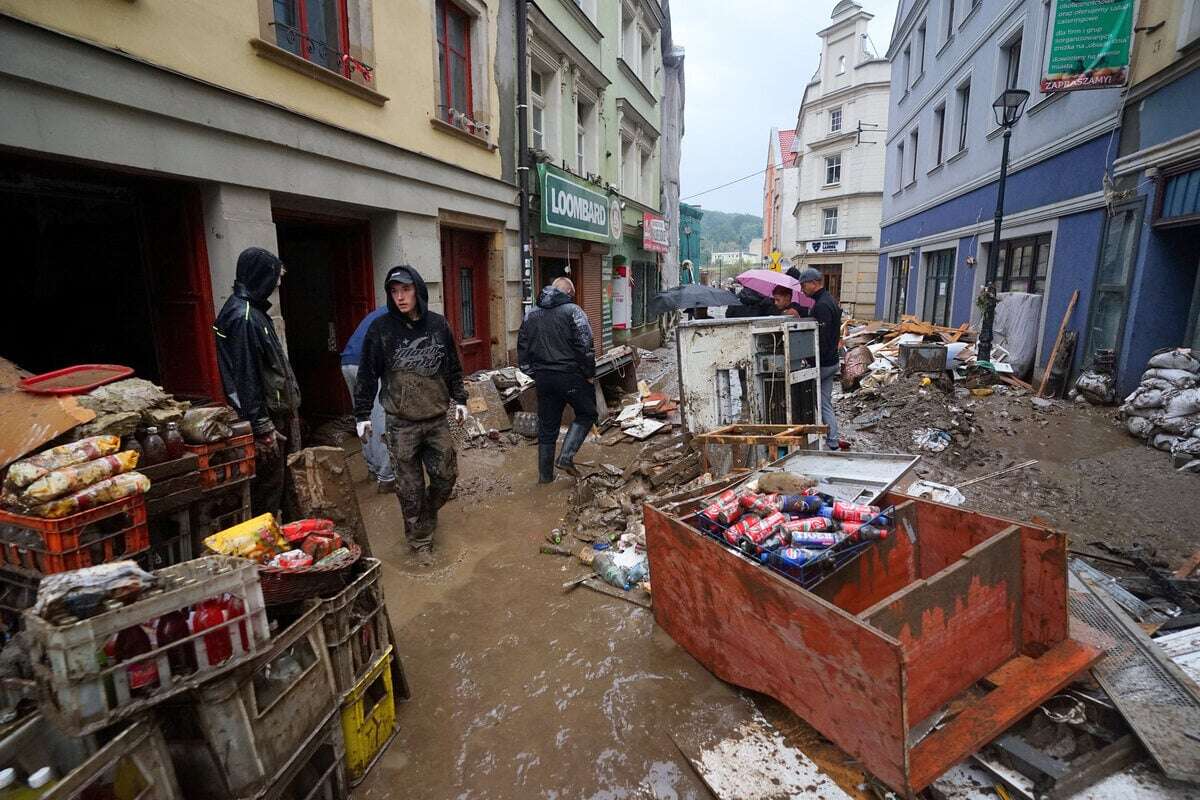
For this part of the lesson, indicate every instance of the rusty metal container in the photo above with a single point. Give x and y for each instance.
(923, 357)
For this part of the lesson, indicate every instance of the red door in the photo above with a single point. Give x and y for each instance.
(465, 289)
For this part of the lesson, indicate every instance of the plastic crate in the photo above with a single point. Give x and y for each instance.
(356, 625)
(106, 533)
(319, 772)
(170, 541)
(253, 724)
(220, 509)
(136, 760)
(369, 719)
(83, 694)
(224, 462)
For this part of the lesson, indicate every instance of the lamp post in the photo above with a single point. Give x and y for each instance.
(1008, 108)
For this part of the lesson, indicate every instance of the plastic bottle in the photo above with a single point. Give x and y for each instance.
(174, 442)
(130, 442)
(234, 608)
(142, 675)
(8, 780)
(610, 572)
(171, 628)
(154, 446)
(218, 646)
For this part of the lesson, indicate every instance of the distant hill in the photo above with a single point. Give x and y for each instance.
(722, 231)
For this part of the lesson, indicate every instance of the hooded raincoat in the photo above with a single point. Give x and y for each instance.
(413, 364)
(257, 377)
(556, 337)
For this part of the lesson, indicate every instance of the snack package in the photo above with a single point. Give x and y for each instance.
(110, 490)
(257, 539)
(28, 470)
(54, 485)
(292, 559)
(335, 558)
(319, 545)
(297, 531)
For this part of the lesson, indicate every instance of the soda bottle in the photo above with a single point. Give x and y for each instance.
(800, 503)
(234, 608)
(850, 512)
(155, 449)
(734, 532)
(174, 442)
(761, 504)
(749, 538)
(791, 559)
(142, 675)
(817, 541)
(218, 645)
(851, 528)
(172, 627)
(610, 572)
(809, 525)
(761, 550)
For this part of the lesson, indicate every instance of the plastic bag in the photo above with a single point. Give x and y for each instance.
(1177, 358)
(83, 592)
(1098, 388)
(296, 531)
(257, 539)
(1179, 378)
(854, 366)
(292, 559)
(54, 485)
(931, 439)
(207, 425)
(28, 470)
(109, 490)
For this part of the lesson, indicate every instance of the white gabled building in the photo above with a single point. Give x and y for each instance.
(840, 161)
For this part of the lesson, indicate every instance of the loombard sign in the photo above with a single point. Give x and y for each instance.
(1089, 45)
(571, 207)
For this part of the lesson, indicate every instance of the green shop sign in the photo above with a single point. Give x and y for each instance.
(1089, 45)
(571, 207)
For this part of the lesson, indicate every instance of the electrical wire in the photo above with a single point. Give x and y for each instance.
(731, 183)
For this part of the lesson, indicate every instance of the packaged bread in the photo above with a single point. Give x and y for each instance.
(110, 490)
(67, 480)
(28, 470)
(257, 539)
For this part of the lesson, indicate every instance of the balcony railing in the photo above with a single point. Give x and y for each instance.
(322, 53)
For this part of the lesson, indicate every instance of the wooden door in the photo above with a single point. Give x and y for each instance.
(465, 293)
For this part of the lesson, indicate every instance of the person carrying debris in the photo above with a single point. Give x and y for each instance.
(375, 452)
(554, 345)
(258, 380)
(828, 315)
(410, 360)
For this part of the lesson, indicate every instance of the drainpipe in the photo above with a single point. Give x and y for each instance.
(523, 165)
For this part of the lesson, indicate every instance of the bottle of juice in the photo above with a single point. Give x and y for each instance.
(218, 645)
(234, 608)
(174, 442)
(171, 628)
(154, 446)
(142, 675)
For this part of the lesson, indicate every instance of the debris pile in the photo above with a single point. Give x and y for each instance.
(877, 353)
(124, 406)
(1164, 411)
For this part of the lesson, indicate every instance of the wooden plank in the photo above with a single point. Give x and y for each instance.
(170, 469)
(483, 401)
(1189, 567)
(1062, 329)
(1045, 619)
(982, 721)
(755, 629)
(947, 532)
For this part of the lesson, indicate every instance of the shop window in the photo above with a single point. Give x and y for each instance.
(898, 286)
(833, 169)
(454, 63)
(1023, 264)
(939, 282)
(646, 284)
(1118, 251)
(316, 30)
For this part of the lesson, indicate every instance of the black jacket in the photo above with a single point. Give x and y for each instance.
(416, 360)
(258, 380)
(556, 337)
(828, 315)
(753, 305)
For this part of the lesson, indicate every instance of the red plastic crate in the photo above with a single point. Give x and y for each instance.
(64, 546)
(224, 462)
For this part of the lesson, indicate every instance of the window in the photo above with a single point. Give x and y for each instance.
(585, 138)
(939, 282)
(629, 36)
(647, 178)
(466, 294)
(537, 110)
(949, 20)
(1022, 264)
(629, 167)
(939, 131)
(964, 107)
(900, 164)
(1189, 25)
(1012, 64)
(647, 65)
(645, 280)
(454, 61)
(315, 30)
(921, 50)
(1118, 251)
(898, 286)
(841, 65)
(830, 227)
(906, 61)
(835, 119)
(588, 7)
(833, 169)
(914, 140)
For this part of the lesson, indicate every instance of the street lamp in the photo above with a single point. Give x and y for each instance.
(1008, 108)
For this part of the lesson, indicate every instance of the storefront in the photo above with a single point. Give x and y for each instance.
(637, 276)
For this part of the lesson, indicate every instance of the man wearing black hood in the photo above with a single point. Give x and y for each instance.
(554, 345)
(412, 352)
(259, 382)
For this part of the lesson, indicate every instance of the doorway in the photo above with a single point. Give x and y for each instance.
(465, 294)
(831, 277)
(327, 291)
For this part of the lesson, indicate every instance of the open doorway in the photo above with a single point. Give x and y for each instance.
(327, 291)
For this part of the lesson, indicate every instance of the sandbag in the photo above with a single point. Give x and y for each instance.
(1165, 441)
(1175, 358)
(1098, 388)
(1177, 426)
(1179, 378)
(1147, 398)
(1182, 404)
(1158, 383)
(1189, 446)
(1140, 427)
(1016, 327)
(1127, 411)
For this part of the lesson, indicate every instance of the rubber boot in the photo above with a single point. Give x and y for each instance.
(546, 462)
(571, 444)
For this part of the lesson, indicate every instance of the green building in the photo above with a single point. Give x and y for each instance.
(689, 242)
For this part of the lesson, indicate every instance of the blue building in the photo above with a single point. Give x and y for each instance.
(950, 60)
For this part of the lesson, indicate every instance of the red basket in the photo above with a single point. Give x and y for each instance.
(224, 462)
(64, 546)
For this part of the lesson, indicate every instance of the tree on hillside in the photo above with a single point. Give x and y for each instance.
(722, 231)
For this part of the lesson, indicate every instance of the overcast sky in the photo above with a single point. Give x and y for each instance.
(746, 67)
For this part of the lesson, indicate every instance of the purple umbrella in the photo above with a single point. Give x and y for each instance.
(765, 280)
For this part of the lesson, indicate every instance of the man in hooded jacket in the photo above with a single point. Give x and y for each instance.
(410, 359)
(258, 380)
(554, 345)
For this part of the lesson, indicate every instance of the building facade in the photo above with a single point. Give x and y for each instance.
(596, 82)
(1147, 291)
(781, 189)
(840, 155)
(950, 60)
(691, 229)
(145, 145)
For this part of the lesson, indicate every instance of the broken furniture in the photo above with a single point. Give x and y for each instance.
(892, 643)
(744, 442)
(757, 370)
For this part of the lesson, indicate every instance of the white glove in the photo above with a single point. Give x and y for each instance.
(461, 414)
(364, 431)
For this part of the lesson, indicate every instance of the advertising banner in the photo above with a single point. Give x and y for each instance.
(655, 236)
(1089, 45)
(574, 208)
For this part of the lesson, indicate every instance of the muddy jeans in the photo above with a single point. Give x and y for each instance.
(422, 450)
(270, 473)
(828, 416)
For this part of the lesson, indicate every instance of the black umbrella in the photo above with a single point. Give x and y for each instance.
(692, 295)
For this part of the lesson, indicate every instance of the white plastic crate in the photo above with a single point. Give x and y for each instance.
(83, 693)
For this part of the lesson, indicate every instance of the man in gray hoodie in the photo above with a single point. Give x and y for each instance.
(410, 358)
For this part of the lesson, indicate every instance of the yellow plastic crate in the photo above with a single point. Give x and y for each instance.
(369, 718)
